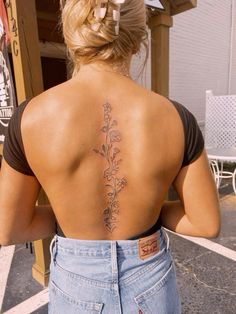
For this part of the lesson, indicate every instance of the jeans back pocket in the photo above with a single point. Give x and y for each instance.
(162, 297)
(61, 303)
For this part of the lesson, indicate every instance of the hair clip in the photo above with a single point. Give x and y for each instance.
(100, 13)
(117, 29)
(118, 1)
(100, 10)
(116, 15)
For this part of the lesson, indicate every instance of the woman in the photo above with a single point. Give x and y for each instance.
(106, 151)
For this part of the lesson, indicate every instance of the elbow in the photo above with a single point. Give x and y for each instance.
(212, 231)
(212, 234)
(214, 227)
(5, 242)
(210, 226)
(209, 230)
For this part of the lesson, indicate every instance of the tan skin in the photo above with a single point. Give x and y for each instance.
(60, 129)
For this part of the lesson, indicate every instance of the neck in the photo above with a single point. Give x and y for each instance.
(121, 68)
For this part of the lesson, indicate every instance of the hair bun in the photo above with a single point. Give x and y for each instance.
(103, 29)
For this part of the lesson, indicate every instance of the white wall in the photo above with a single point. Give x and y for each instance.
(138, 73)
(232, 87)
(199, 53)
(200, 48)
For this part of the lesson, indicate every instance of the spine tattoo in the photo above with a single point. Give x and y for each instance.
(113, 182)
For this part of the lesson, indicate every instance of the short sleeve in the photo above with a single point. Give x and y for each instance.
(194, 142)
(13, 150)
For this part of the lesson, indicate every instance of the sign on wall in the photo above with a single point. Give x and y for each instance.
(155, 4)
(7, 95)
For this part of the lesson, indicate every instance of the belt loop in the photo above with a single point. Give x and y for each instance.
(167, 238)
(114, 260)
(51, 247)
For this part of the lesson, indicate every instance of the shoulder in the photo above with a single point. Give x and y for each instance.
(45, 108)
(166, 110)
(166, 128)
(177, 113)
(47, 100)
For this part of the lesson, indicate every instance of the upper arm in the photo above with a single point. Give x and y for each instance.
(18, 196)
(197, 191)
(20, 219)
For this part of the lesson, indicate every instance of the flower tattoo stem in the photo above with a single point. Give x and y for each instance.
(114, 184)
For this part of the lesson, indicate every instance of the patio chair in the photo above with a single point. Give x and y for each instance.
(220, 135)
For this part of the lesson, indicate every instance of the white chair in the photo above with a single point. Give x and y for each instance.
(220, 135)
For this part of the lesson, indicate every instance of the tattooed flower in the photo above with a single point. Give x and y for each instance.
(121, 183)
(115, 211)
(110, 194)
(106, 211)
(116, 150)
(107, 108)
(104, 129)
(107, 118)
(115, 136)
(109, 173)
(115, 204)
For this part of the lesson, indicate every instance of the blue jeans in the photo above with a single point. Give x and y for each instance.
(111, 277)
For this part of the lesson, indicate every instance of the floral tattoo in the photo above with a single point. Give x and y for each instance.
(114, 184)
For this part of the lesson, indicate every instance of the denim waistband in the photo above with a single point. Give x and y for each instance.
(103, 248)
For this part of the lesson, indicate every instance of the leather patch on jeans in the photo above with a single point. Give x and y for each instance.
(148, 246)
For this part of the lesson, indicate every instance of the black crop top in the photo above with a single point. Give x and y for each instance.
(14, 154)
(194, 142)
(13, 149)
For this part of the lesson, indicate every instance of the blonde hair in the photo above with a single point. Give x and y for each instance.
(87, 44)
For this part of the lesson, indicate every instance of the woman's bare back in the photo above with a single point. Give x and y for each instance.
(105, 151)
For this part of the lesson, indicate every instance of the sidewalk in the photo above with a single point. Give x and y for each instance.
(205, 271)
